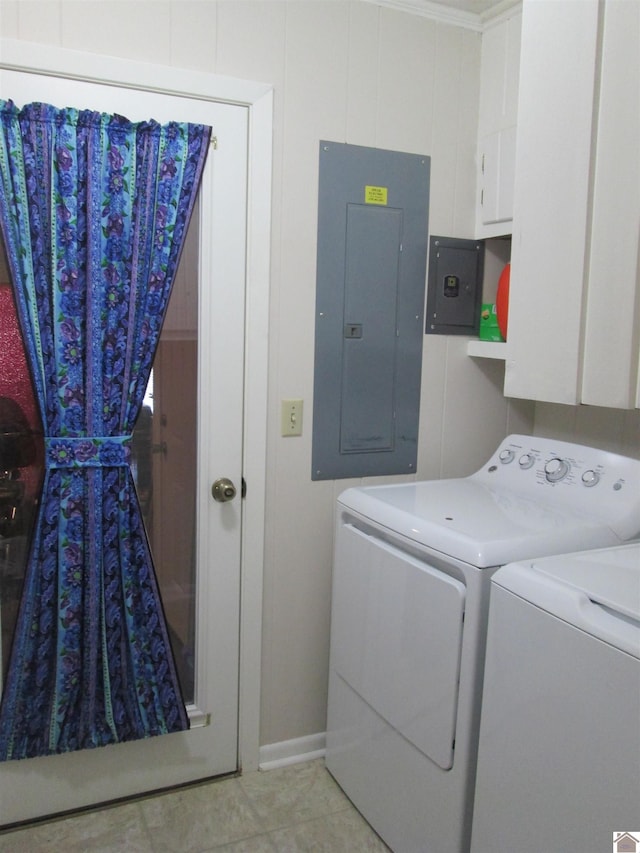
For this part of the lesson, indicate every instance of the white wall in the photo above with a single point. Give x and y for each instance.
(350, 72)
(608, 429)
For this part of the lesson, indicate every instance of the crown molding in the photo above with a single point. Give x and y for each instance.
(448, 14)
(502, 9)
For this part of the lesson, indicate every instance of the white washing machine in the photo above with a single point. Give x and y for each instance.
(412, 570)
(559, 755)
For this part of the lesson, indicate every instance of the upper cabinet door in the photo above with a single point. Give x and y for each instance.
(574, 296)
(551, 202)
(499, 70)
(610, 371)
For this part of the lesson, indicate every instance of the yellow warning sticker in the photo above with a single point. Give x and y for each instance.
(375, 195)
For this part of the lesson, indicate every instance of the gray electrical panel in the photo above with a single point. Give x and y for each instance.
(371, 273)
(454, 290)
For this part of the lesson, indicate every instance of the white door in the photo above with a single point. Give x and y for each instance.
(42, 786)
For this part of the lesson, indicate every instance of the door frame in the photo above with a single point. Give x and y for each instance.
(17, 55)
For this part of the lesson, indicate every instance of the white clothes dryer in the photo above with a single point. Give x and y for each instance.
(412, 570)
(559, 754)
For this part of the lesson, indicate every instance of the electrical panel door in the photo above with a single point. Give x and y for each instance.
(371, 273)
(454, 289)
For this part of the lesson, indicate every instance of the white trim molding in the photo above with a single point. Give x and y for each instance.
(295, 751)
(447, 14)
(30, 57)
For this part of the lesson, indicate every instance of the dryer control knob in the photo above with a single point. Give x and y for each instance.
(526, 461)
(506, 456)
(590, 478)
(556, 470)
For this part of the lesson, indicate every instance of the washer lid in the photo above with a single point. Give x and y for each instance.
(596, 591)
(466, 519)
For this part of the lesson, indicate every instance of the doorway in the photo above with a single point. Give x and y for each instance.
(233, 295)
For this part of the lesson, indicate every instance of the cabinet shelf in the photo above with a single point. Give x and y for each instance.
(487, 349)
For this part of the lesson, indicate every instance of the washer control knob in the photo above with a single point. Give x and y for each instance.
(526, 461)
(556, 469)
(506, 456)
(590, 478)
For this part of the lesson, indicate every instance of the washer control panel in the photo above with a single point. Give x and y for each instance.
(562, 474)
(555, 468)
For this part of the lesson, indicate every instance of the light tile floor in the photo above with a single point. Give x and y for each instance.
(296, 808)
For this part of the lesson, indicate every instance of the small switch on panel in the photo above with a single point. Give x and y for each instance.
(291, 417)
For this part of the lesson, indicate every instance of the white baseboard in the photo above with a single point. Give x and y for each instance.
(292, 751)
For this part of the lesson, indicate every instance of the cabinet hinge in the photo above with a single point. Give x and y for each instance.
(243, 488)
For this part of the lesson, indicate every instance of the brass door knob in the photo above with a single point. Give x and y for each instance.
(223, 490)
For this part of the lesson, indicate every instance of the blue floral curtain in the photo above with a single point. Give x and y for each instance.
(94, 211)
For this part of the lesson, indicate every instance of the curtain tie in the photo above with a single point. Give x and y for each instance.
(88, 451)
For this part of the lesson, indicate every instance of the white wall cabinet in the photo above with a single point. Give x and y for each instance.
(611, 361)
(573, 314)
(499, 70)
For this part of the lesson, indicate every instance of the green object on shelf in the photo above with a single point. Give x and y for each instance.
(489, 329)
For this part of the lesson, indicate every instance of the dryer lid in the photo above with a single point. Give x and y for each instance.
(534, 497)
(466, 519)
